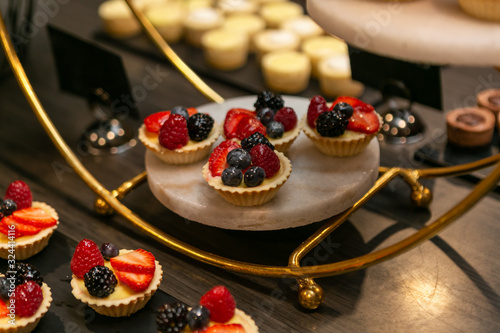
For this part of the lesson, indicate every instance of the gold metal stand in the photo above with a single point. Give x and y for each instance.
(310, 294)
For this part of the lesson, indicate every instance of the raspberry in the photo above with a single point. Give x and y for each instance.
(220, 303)
(265, 158)
(27, 298)
(199, 126)
(20, 192)
(331, 124)
(174, 133)
(287, 117)
(316, 106)
(86, 256)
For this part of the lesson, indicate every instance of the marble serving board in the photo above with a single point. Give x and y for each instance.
(318, 188)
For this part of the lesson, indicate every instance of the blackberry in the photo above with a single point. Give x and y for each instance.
(8, 207)
(4, 288)
(171, 318)
(253, 140)
(270, 100)
(198, 318)
(27, 272)
(109, 250)
(239, 158)
(275, 130)
(180, 110)
(331, 124)
(100, 281)
(265, 115)
(231, 176)
(254, 176)
(344, 108)
(199, 126)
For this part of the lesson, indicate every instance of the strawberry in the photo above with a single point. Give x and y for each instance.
(154, 121)
(364, 122)
(233, 118)
(86, 256)
(137, 282)
(247, 126)
(27, 298)
(316, 106)
(266, 158)
(217, 160)
(34, 216)
(138, 261)
(192, 111)
(226, 328)
(287, 117)
(220, 303)
(355, 103)
(3, 309)
(20, 192)
(20, 229)
(4, 230)
(174, 133)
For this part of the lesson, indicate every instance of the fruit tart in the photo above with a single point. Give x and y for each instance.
(179, 136)
(277, 122)
(26, 225)
(247, 174)
(24, 298)
(343, 129)
(115, 283)
(216, 312)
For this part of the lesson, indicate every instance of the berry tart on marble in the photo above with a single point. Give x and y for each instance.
(216, 312)
(343, 129)
(24, 298)
(271, 118)
(179, 136)
(26, 225)
(115, 283)
(247, 174)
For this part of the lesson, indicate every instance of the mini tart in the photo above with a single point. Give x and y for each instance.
(200, 20)
(239, 317)
(117, 19)
(167, 19)
(490, 99)
(28, 246)
(286, 71)
(251, 196)
(348, 144)
(285, 142)
(488, 10)
(124, 301)
(225, 49)
(28, 324)
(470, 127)
(190, 153)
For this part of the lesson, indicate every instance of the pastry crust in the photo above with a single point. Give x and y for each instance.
(490, 99)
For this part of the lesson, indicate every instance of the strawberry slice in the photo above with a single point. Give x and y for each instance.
(225, 328)
(138, 261)
(355, 103)
(233, 118)
(21, 229)
(136, 282)
(3, 229)
(154, 121)
(247, 126)
(3, 309)
(192, 111)
(217, 160)
(34, 216)
(364, 122)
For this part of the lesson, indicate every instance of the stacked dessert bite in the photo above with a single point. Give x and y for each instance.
(343, 129)
(216, 312)
(179, 136)
(114, 282)
(24, 298)
(26, 225)
(271, 118)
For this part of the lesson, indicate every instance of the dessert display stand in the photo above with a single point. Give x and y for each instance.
(310, 294)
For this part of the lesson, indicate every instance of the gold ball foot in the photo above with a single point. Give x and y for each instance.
(422, 196)
(311, 296)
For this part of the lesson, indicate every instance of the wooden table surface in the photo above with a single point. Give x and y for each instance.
(448, 284)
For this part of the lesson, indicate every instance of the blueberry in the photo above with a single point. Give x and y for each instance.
(265, 115)
(198, 318)
(344, 108)
(109, 250)
(231, 176)
(239, 158)
(254, 176)
(275, 130)
(8, 207)
(180, 110)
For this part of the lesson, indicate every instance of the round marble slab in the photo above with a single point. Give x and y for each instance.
(430, 31)
(318, 188)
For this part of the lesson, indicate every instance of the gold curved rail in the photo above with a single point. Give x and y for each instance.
(312, 295)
